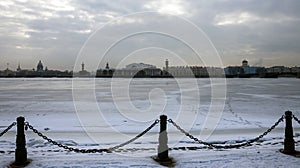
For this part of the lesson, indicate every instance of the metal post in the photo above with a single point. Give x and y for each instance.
(163, 140)
(21, 152)
(289, 143)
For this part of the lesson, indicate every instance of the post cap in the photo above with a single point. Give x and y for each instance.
(288, 113)
(21, 118)
(163, 117)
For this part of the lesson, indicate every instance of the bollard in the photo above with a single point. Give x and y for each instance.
(21, 152)
(163, 148)
(289, 143)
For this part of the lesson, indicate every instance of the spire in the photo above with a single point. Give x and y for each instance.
(19, 67)
(107, 66)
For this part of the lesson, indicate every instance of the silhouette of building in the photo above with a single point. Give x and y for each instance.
(82, 66)
(178, 71)
(107, 66)
(83, 72)
(40, 67)
(243, 71)
(19, 68)
(191, 71)
(146, 70)
(139, 70)
(106, 72)
(167, 67)
(245, 63)
(7, 72)
(40, 72)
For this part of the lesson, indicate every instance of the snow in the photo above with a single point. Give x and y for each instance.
(100, 113)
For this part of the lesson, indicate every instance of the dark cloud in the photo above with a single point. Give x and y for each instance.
(55, 31)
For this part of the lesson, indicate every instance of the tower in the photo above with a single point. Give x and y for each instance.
(40, 66)
(167, 65)
(82, 66)
(19, 67)
(107, 66)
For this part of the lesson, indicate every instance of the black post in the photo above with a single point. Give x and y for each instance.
(21, 152)
(289, 143)
(163, 140)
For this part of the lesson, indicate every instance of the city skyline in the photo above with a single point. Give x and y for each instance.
(45, 66)
(263, 32)
(144, 70)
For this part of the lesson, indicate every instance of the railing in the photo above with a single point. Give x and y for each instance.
(163, 149)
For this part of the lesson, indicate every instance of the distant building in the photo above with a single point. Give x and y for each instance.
(251, 70)
(8, 73)
(215, 72)
(295, 69)
(40, 67)
(147, 70)
(233, 71)
(138, 70)
(245, 63)
(243, 71)
(106, 72)
(279, 69)
(180, 71)
(192, 71)
(131, 70)
(139, 66)
(27, 73)
(282, 71)
(83, 72)
(199, 71)
(19, 68)
(39, 72)
(166, 70)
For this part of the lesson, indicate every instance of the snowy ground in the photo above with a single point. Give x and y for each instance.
(251, 107)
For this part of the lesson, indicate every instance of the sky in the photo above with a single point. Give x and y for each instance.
(65, 33)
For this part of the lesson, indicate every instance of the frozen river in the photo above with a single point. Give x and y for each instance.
(127, 106)
(106, 112)
(247, 102)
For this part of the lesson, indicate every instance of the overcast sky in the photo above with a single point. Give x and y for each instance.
(265, 32)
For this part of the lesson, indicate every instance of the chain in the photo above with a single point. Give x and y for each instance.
(109, 150)
(7, 129)
(61, 145)
(189, 148)
(247, 143)
(136, 137)
(296, 119)
(188, 134)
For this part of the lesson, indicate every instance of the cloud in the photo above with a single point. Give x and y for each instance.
(56, 30)
(171, 7)
(235, 18)
(238, 18)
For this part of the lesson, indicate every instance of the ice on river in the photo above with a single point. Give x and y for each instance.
(99, 112)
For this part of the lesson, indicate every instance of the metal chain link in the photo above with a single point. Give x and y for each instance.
(7, 129)
(109, 150)
(136, 137)
(247, 143)
(64, 146)
(296, 119)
